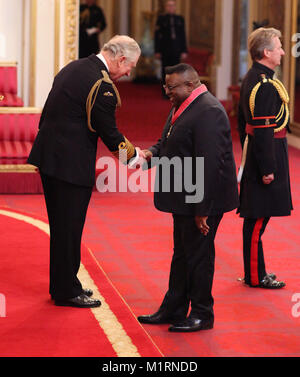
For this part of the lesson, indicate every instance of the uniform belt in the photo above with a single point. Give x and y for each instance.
(277, 135)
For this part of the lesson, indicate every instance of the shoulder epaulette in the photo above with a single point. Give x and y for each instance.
(283, 114)
(93, 95)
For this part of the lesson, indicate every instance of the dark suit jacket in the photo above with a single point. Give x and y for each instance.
(65, 148)
(202, 130)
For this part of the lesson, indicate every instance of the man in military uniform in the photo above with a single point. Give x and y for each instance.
(92, 23)
(170, 38)
(264, 173)
(80, 108)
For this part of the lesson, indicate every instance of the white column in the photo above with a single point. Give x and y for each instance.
(224, 69)
(44, 67)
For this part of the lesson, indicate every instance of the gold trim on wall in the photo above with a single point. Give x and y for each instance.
(56, 36)
(71, 30)
(20, 110)
(33, 26)
(8, 64)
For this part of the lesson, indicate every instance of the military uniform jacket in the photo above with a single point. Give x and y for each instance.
(202, 130)
(65, 147)
(266, 154)
(165, 43)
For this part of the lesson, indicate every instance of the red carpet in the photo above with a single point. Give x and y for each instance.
(31, 325)
(132, 243)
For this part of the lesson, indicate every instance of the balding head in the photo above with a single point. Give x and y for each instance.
(181, 80)
(186, 71)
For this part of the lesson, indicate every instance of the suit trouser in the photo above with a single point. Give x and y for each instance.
(192, 269)
(254, 263)
(66, 206)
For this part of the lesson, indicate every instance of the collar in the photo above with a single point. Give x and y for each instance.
(264, 68)
(102, 58)
(195, 94)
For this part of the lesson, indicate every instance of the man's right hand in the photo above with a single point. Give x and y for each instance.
(148, 154)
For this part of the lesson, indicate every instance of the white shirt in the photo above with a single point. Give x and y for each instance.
(102, 58)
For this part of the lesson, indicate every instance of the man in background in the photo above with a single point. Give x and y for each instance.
(92, 23)
(170, 38)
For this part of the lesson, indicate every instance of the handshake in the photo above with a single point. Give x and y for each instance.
(141, 157)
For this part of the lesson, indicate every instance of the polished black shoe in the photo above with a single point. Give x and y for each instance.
(270, 283)
(157, 318)
(192, 324)
(81, 301)
(270, 275)
(85, 291)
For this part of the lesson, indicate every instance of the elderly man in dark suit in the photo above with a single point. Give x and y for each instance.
(197, 127)
(80, 108)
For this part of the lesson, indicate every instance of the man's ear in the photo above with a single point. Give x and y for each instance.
(266, 53)
(121, 60)
(191, 87)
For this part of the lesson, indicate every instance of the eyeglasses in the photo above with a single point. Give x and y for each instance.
(172, 87)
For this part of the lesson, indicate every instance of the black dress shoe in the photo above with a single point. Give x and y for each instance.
(270, 275)
(192, 324)
(85, 291)
(81, 301)
(270, 283)
(157, 318)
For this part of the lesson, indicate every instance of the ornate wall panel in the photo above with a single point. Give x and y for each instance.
(71, 31)
(202, 24)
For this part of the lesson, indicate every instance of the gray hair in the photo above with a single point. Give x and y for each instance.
(262, 39)
(122, 45)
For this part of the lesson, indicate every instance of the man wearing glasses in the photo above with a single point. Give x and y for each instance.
(196, 127)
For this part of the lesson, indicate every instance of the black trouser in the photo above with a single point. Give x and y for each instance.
(254, 263)
(192, 269)
(66, 206)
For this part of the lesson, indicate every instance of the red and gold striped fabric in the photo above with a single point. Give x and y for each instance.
(18, 129)
(9, 85)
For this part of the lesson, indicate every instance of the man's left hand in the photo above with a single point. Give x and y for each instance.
(268, 179)
(201, 222)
